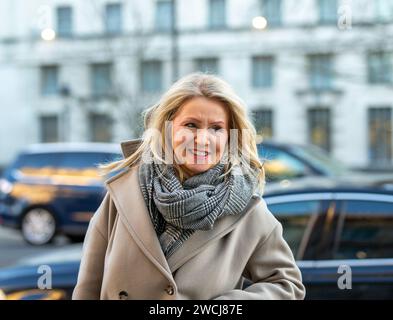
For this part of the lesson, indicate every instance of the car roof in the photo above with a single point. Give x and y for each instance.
(280, 144)
(72, 147)
(361, 183)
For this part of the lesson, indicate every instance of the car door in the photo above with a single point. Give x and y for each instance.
(364, 243)
(360, 262)
(80, 188)
(308, 221)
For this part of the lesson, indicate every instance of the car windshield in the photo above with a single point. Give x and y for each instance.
(320, 159)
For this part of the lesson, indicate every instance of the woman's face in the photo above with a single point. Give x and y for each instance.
(200, 134)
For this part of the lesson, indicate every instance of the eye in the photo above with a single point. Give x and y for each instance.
(217, 128)
(190, 125)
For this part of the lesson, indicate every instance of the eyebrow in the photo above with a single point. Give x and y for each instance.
(197, 120)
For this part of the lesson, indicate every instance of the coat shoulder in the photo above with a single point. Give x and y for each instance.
(123, 173)
(117, 176)
(260, 220)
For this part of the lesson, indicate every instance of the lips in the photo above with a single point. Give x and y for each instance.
(199, 153)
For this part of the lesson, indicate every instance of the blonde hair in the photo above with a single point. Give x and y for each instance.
(186, 88)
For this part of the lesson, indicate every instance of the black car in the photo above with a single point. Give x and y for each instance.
(54, 188)
(20, 281)
(341, 235)
(290, 160)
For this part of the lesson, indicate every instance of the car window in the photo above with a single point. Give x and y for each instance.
(37, 160)
(365, 230)
(78, 160)
(280, 164)
(298, 219)
(84, 160)
(320, 159)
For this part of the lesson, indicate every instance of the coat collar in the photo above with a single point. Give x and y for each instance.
(129, 147)
(126, 193)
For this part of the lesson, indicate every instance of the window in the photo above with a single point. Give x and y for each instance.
(100, 128)
(365, 230)
(217, 14)
(271, 10)
(101, 79)
(49, 80)
(383, 11)
(262, 72)
(263, 122)
(164, 15)
(207, 65)
(151, 74)
(64, 21)
(319, 128)
(380, 136)
(327, 11)
(49, 125)
(297, 218)
(113, 18)
(379, 68)
(320, 71)
(279, 164)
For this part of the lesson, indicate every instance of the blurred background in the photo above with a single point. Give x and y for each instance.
(316, 76)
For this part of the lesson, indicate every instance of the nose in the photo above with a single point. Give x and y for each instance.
(202, 138)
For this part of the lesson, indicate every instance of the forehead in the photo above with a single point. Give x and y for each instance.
(203, 109)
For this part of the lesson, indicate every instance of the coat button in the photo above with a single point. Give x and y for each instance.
(123, 295)
(169, 290)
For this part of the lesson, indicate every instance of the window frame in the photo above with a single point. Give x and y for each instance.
(163, 25)
(342, 216)
(267, 63)
(44, 78)
(326, 202)
(94, 67)
(212, 24)
(119, 26)
(147, 89)
(275, 20)
(65, 33)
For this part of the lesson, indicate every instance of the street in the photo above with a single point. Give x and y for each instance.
(13, 248)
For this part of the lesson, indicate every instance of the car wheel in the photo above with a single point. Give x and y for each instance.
(38, 226)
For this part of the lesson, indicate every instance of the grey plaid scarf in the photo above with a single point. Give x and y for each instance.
(177, 210)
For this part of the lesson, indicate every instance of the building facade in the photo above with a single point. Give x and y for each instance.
(310, 71)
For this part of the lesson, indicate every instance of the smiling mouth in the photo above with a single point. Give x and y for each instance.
(199, 153)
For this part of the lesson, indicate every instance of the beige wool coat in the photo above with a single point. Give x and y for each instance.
(122, 257)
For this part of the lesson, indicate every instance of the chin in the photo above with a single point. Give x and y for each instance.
(198, 168)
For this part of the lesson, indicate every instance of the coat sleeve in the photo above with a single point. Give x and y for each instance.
(273, 271)
(91, 269)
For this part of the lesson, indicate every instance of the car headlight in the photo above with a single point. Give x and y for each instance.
(5, 186)
(36, 294)
(2, 295)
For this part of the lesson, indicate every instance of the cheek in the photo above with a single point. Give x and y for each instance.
(182, 137)
(220, 142)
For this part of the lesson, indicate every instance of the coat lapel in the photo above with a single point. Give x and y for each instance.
(201, 238)
(127, 196)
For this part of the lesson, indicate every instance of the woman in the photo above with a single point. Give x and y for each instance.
(184, 219)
